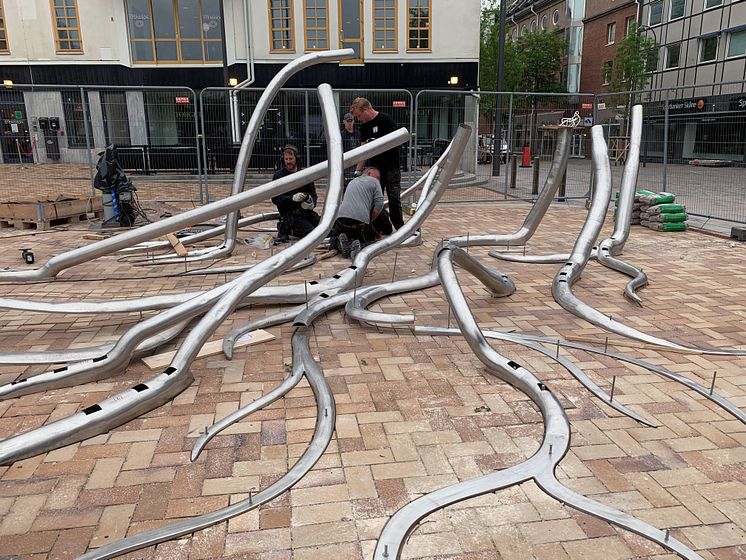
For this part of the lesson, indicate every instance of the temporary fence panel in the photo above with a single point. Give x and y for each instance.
(516, 165)
(694, 145)
(294, 118)
(60, 130)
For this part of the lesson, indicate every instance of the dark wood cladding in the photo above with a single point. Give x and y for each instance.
(407, 75)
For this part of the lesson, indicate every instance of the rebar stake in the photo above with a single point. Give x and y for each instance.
(668, 534)
(606, 345)
(613, 384)
(558, 347)
(467, 242)
(305, 287)
(714, 376)
(449, 316)
(393, 272)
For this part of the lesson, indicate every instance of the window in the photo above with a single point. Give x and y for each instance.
(555, 17)
(708, 49)
(543, 23)
(606, 70)
(419, 25)
(66, 26)
(677, 9)
(116, 117)
(611, 33)
(175, 31)
(317, 29)
(655, 15)
(651, 60)
(533, 26)
(3, 32)
(713, 3)
(737, 44)
(75, 121)
(673, 52)
(630, 25)
(281, 25)
(384, 25)
(524, 30)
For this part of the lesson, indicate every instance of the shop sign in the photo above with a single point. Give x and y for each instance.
(182, 101)
(687, 105)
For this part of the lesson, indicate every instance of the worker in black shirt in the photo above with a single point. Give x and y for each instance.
(350, 141)
(297, 217)
(375, 125)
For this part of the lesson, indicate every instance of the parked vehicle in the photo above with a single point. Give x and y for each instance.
(487, 150)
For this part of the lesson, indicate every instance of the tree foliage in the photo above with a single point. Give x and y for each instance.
(635, 59)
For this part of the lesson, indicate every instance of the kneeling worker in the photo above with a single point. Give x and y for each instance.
(362, 218)
(297, 217)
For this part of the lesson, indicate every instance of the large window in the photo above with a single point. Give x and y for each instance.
(713, 3)
(3, 32)
(677, 9)
(611, 33)
(737, 44)
(317, 25)
(673, 53)
(75, 119)
(606, 71)
(281, 26)
(630, 24)
(384, 25)
(116, 117)
(708, 49)
(418, 28)
(66, 26)
(175, 31)
(656, 13)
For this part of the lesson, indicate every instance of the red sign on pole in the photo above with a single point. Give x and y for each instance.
(586, 105)
(400, 104)
(182, 101)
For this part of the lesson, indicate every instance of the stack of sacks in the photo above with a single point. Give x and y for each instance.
(659, 212)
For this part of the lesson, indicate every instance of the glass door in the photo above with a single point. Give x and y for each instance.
(15, 140)
(351, 28)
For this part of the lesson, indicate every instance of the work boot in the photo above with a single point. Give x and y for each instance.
(355, 248)
(343, 242)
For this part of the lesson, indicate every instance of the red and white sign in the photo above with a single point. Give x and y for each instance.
(182, 101)
(399, 103)
(602, 105)
(586, 105)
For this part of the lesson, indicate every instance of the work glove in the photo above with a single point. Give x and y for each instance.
(306, 200)
(357, 173)
(299, 197)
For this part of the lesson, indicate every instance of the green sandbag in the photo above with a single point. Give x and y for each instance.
(668, 218)
(659, 226)
(658, 198)
(666, 209)
(643, 192)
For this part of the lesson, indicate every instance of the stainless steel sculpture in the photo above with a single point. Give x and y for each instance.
(570, 272)
(539, 468)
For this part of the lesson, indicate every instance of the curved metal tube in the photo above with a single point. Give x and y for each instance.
(356, 307)
(201, 236)
(540, 467)
(218, 208)
(325, 420)
(80, 354)
(569, 273)
(498, 284)
(539, 208)
(609, 248)
(532, 259)
(305, 262)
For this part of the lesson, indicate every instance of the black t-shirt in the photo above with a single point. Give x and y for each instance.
(284, 202)
(381, 125)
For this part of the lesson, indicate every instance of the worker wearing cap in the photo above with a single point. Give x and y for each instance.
(297, 217)
(350, 140)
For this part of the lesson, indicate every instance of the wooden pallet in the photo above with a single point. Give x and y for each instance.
(45, 214)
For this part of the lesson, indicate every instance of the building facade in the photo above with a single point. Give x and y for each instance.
(701, 69)
(88, 52)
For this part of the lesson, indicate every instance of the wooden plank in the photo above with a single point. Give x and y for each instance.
(210, 348)
(177, 245)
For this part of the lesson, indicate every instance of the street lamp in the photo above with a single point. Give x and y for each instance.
(497, 142)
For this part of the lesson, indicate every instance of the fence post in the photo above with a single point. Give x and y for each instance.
(535, 182)
(562, 187)
(308, 136)
(87, 140)
(513, 170)
(509, 139)
(665, 141)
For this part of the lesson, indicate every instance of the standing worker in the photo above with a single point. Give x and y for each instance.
(375, 125)
(362, 218)
(297, 217)
(350, 141)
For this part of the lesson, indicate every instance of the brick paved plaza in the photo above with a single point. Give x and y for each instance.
(414, 413)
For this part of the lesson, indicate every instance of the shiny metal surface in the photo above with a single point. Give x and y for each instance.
(570, 272)
(540, 467)
(218, 208)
